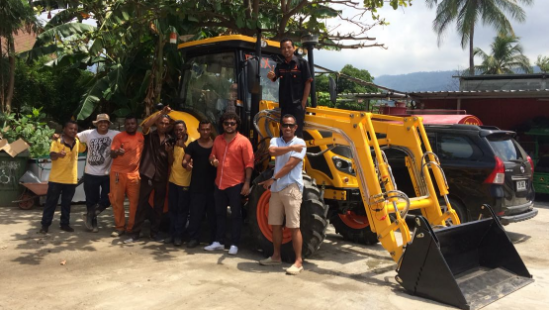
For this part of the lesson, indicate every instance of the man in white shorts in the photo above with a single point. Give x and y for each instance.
(286, 191)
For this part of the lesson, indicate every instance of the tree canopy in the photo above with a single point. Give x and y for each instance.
(467, 14)
(130, 47)
(506, 56)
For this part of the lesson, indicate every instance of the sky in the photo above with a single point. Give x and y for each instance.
(412, 43)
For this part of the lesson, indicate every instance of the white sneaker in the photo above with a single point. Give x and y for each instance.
(233, 250)
(216, 246)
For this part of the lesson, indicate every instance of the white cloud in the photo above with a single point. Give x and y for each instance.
(412, 43)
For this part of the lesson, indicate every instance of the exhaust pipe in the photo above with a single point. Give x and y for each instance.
(467, 266)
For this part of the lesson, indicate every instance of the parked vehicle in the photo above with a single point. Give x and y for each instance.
(483, 165)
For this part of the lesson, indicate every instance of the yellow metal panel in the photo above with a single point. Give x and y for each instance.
(225, 39)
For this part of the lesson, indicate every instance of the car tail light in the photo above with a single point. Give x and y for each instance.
(531, 164)
(498, 175)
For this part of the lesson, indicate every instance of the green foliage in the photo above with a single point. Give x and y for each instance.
(31, 128)
(467, 13)
(347, 86)
(57, 91)
(543, 63)
(506, 56)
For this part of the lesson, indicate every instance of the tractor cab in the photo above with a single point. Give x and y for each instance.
(214, 78)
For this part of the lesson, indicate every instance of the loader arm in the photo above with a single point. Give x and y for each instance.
(360, 131)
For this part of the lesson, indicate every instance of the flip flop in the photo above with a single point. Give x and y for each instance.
(293, 270)
(269, 262)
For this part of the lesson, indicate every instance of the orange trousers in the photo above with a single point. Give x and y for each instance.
(122, 185)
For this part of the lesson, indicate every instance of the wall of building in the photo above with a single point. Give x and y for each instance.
(503, 113)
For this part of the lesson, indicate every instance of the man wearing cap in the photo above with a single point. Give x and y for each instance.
(98, 165)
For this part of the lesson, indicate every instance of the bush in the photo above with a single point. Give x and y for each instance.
(30, 128)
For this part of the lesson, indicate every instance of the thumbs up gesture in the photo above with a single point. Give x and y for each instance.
(121, 150)
(271, 75)
(62, 154)
(214, 162)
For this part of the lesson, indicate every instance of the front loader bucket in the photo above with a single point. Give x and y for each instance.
(467, 266)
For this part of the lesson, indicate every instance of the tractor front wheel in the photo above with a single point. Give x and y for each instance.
(353, 227)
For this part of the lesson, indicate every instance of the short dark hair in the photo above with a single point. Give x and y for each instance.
(231, 115)
(70, 122)
(284, 40)
(180, 122)
(204, 122)
(289, 116)
(131, 116)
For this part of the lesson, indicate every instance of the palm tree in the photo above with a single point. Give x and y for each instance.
(505, 57)
(466, 14)
(543, 63)
(15, 15)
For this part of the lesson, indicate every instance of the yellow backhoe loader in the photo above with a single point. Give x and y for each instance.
(348, 179)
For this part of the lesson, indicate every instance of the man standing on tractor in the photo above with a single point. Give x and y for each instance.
(286, 187)
(295, 83)
(126, 151)
(202, 184)
(63, 176)
(154, 172)
(232, 155)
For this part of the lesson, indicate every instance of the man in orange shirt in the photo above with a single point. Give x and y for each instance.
(126, 151)
(232, 155)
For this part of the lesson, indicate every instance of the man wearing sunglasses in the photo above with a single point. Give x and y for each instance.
(286, 192)
(232, 155)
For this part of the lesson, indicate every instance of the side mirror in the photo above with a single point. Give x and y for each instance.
(252, 75)
(332, 89)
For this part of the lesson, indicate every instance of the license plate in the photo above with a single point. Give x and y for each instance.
(521, 185)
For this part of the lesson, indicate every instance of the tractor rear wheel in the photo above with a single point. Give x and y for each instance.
(353, 227)
(313, 219)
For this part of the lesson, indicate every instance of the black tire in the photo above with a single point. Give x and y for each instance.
(313, 219)
(362, 236)
(458, 207)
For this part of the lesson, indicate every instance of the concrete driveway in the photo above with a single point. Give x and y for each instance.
(82, 270)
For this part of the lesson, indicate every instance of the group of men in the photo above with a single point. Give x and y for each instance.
(150, 166)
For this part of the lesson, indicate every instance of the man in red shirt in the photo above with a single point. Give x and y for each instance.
(232, 155)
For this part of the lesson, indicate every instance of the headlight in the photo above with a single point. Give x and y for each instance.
(343, 165)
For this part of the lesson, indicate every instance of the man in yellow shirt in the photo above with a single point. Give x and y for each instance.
(63, 176)
(180, 179)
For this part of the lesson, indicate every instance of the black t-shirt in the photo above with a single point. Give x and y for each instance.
(203, 174)
(292, 78)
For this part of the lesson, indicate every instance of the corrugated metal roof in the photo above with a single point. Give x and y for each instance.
(538, 93)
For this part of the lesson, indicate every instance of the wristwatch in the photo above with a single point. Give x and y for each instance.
(275, 179)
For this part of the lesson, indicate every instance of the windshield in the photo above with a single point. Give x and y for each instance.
(209, 84)
(506, 149)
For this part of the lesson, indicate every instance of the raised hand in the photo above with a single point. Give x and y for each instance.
(62, 154)
(271, 75)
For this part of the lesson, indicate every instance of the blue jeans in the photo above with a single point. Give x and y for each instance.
(178, 207)
(223, 198)
(97, 188)
(202, 203)
(66, 191)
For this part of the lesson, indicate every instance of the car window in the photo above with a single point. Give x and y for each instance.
(505, 149)
(457, 147)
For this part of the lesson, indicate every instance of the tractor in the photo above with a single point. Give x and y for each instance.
(348, 179)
